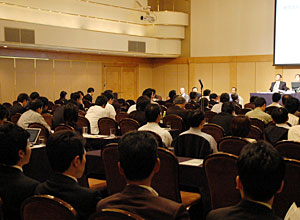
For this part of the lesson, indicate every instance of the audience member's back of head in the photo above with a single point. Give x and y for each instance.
(62, 147)
(206, 92)
(172, 94)
(196, 119)
(148, 92)
(179, 100)
(44, 100)
(137, 155)
(292, 105)
(227, 107)
(108, 94)
(261, 170)
(90, 90)
(34, 95)
(224, 97)
(34, 105)
(193, 95)
(4, 113)
(213, 96)
(142, 102)
(101, 100)
(62, 94)
(240, 126)
(13, 139)
(259, 102)
(75, 96)
(285, 98)
(22, 97)
(234, 97)
(70, 113)
(280, 115)
(152, 111)
(276, 97)
(252, 99)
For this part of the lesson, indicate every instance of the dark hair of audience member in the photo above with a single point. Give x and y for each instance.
(224, 97)
(101, 100)
(130, 102)
(179, 100)
(137, 155)
(292, 105)
(261, 170)
(234, 97)
(259, 102)
(22, 97)
(276, 97)
(122, 102)
(75, 96)
(70, 114)
(172, 94)
(34, 95)
(13, 138)
(252, 99)
(213, 96)
(142, 102)
(285, 98)
(62, 147)
(80, 93)
(152, 111)
(44, 100)
(228, 107)
(34, 105)
(90, 90)
(4, 113)
(280, 115)
(148, 92)
(193, 95)
(196, 118)
(63, 94)
(204, 102)
(108, 94)
(206, 92)
(240, 126)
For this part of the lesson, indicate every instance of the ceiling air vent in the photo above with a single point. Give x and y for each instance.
(136, 46)
(19, 35)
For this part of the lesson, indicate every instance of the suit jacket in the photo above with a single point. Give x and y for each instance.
(88, 97)
(58, 116)
(145, 204)
(282, 86)
(139, 116)
(184, 114)
(17, 108)
(82, 199)
(244, 210)
(15, 187)
(224, 120)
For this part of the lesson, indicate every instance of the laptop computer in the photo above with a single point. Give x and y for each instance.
(34, 134)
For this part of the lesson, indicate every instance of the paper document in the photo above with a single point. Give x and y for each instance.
(293, 213)
(192, 162)
(94, 136)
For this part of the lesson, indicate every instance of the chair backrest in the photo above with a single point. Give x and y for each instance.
(158, 138)
(232, 145)
(105, 124)
(270, 109)
(44, 131)
(221, 172)
(7, 105)
(291, 189)
(47, 207)
(191, 145)
(243, 111)
(48, 118)
(289, 149)
(249, 105)
(175, 121)
(209, 115)
(128, 124)
(83, 122)
(255, 133)
(62, 127)
(86, 103)
(114, 214)
(121, 115)
(214, 130)
(15, 117)
(258, 123)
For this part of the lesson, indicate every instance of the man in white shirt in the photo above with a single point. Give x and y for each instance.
(96, 112)
(185, 96)
(153, 116)
(218, 107)
(109, 107)
(275, 98)
(240, 99)
(33, 115)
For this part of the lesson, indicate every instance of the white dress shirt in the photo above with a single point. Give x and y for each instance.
(197, 131)
(276, 104)
(110, 111)
(276, 86)
(30, 117)
(93, 115)
(131, 109)
(165, 135)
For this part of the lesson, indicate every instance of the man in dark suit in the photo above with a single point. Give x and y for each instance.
(20, 105)
(15, 152)
(278, 84)
(66, 155)
(89, 95)
(225, 117)
(139, 163)
(260, 176)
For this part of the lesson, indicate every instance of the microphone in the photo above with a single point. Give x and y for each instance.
(201, 84)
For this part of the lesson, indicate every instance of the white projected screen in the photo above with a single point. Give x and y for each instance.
(287, 32)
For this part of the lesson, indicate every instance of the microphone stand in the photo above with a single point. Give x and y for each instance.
(202, 102)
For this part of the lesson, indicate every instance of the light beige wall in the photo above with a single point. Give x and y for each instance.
(145, 77)
(231, 27)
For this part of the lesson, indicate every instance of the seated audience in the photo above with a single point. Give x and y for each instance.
(123, 105)
(292, 105)
(213, 99)
(15, 152)
(239, 99)
(33, 115)
(235, 102)
(206, 94)
(96, 112)
(275, 100)
(45, 104)
(195, 89)
(193, 100)
(172, 95)
(197, 123)
(153, 116)
(259, 111)
(147, 92)
(240, 127)
(185, 96)
(139, 114)
(111, 112)
(225, 117)
(62, 98)
(34, 96)
(251, 103)
(80, 102)
(285, 97)
(4, 114)
(218, 107)
(89, 95)
(261, 172)
(67, 157)
(20, 105)
(71, 116)
(138, 163)
(279, 131)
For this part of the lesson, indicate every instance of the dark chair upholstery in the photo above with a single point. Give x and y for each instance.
(48, 118)
(191, 145)
(270, 109)
(105, 124)
(86, 103)
(83, 122)
(255, 133)
(289, 149)
(44, 131)
(158, 139)
(175, 121)
(243, 111)
(128, 124)
(221, 172)
(249, 105)
(214, 130)
(121, 115)
(15, 117)
(47, 207)
(232, 145)
(291, 189)
(209, 115)
(62, 127)
(258, 123)
(114, 214)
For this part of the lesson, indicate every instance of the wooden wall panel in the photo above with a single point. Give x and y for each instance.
(25, 76)
(158, 79)
(79, 76)
(245, 80)
(171, 79)
(62, 78)
(45, 76)
(183, 77)
(145, 77)
(94, 74)
(7, 93)
(265, 74)
(221, 78)
(201, 71)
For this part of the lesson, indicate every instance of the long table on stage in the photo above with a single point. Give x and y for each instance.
(268, 96)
